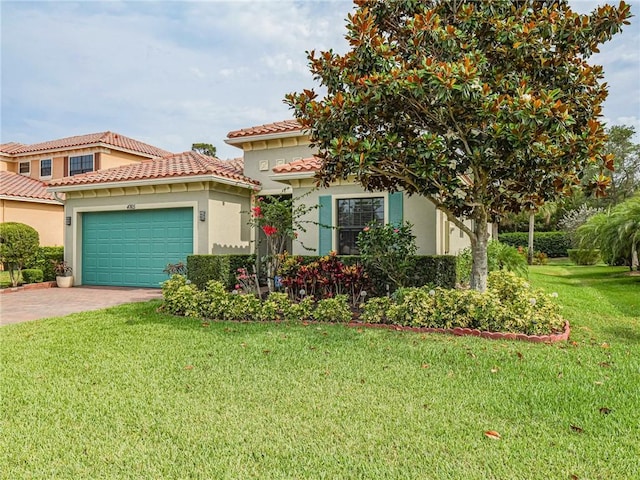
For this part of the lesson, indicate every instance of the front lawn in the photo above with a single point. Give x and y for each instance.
(131, 393)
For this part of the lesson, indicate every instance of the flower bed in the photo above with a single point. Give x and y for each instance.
(509, 309)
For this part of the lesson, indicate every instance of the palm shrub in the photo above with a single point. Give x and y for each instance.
(616, 233)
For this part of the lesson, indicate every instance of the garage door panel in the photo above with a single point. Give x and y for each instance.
(131, 248)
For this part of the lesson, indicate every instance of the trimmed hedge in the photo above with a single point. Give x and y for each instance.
(584, 256)
(221, 268)
(554, 244)
(32, 275)
(43, 261)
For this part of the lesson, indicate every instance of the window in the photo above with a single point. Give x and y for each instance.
(25, 168)
(80, 164)
(353, 215)
(45, 168)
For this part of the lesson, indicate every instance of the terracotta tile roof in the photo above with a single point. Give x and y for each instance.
(266, 129)
(186, 164)
(311, 164)
(16, 185)
(237, 164)
(10, 147)
(106, 138)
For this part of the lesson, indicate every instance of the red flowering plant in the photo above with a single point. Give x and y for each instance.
(323, 278)
(280, 218)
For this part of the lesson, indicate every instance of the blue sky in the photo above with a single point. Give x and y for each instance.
(175, 73)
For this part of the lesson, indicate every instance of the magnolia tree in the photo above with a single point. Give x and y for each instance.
(485, 108)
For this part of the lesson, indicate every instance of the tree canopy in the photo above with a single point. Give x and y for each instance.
(205, 149)
(483, 107)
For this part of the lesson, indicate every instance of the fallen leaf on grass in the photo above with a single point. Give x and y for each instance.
(492, 434)
(576, 428)
(560, 374)
(494, 370)
(604, 410)
(574, 477)
(425, 365)
(520, 356)
(266, 352)
(205, 324)
(605, 345)
(188, 367)
(604, 364)
(306, 324)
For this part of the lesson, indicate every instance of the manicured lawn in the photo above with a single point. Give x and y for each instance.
(130, 393)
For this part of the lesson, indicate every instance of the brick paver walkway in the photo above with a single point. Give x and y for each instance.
(26, 305)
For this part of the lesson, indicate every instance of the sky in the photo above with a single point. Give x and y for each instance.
(173, 73)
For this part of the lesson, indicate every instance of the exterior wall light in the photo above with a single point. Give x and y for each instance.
(203, 215)
(67, 220)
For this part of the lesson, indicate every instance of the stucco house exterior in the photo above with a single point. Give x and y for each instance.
(25, 169)
(122, 225)
(279, 155)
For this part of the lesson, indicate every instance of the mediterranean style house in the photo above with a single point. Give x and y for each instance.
(25, 169)
(124, 224)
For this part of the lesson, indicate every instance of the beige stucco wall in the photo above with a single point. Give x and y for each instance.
(7, 166)
(221, 232)
(256, 160)
(417, 210)
(46, 218)
(117, 159)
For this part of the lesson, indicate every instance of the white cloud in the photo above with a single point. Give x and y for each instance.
(174, 73)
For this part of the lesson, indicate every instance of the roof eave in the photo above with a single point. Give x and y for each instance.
(238, 141)
(153, 181)
(292, 176)
(30, 199)
(85, 146)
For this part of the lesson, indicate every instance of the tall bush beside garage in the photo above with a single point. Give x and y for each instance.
(18, 247)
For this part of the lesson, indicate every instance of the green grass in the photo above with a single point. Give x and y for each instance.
(131, 393)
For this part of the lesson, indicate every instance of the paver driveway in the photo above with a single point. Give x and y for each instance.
(26, 305)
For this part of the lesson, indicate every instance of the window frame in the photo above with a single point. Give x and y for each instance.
(28, 172)
(82, 170)
(355, 196)
(50, 160)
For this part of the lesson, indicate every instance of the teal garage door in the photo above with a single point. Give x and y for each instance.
(132, 247)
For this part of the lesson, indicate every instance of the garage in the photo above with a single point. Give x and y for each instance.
(132, 247)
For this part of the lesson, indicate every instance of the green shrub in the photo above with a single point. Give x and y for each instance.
(333, 310)
(584, 256)
(389, 250)
(554, 244)
(180, 297)
(434, 270)
(499, 257)
(221, 268)
(32, 275)
(18, 247)
(213, 301)
(508, 305)
(242, 307)
(45, 260)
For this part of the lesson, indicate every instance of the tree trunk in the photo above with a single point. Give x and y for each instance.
(479, 267)
(532, 223)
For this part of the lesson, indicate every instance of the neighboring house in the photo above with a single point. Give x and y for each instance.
(26, 200)
(125, 224)
(279, 155)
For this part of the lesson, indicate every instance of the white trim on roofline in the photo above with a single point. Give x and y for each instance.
(152, 181)
(236, 141)
(85, 146)
(29, 199)
(291, 176)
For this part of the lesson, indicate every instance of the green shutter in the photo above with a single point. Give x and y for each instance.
(325, 230)
(396, 216)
